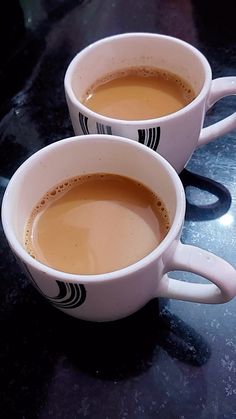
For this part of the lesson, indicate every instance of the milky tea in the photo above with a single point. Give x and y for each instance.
(97, 223)
(138, 93)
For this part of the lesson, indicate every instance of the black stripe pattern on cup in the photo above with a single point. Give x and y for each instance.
(83, 120)
(69, 295)
(103, 129)
(150, 137)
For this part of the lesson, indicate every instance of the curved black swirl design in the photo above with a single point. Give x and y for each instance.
(70, 295)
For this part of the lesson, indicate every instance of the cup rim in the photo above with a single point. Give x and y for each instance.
(144, 122)
(24, 256)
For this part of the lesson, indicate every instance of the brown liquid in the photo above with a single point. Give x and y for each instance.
(138, 93)
(95, 224)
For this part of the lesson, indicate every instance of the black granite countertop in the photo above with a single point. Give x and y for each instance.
(172, 359)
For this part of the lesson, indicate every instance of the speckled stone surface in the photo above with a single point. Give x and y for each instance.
(172, 359)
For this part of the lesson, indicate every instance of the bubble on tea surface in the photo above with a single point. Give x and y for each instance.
(143, 71)
(54, 193)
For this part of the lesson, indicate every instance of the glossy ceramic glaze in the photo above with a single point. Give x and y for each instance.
(182, 365)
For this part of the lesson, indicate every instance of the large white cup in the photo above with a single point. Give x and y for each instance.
(174, 136)
(116, 294)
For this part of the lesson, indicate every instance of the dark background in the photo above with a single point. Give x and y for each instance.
(172, 359)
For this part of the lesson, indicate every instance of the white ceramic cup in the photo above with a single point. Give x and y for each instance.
(174, 136)
(116, 294)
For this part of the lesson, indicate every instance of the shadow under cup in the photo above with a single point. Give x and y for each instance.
(85, 155)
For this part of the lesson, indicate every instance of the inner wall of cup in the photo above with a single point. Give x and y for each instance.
(133, 50)
(77, 156)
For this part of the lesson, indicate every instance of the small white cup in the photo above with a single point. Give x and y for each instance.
(174, 136)
(116, 294)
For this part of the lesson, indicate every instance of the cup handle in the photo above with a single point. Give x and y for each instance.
(201, 262)
(221, 87)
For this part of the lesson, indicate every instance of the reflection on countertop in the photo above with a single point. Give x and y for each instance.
(171, 356)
